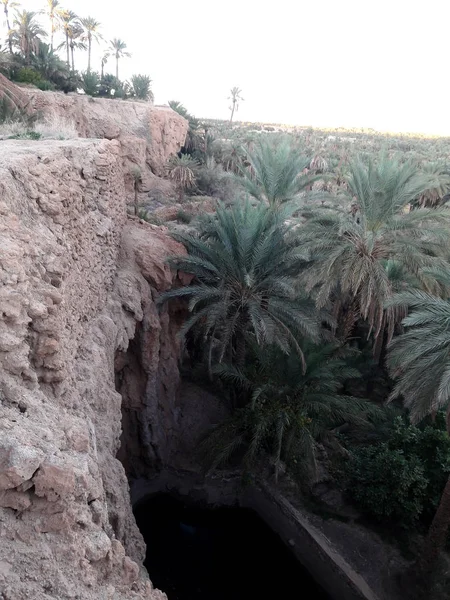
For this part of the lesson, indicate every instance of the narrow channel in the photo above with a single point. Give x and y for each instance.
(196, 553)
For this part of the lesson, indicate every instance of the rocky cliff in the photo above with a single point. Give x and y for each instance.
(77, 279)
(148, 134)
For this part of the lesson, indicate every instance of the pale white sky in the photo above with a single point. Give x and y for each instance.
(352, 63)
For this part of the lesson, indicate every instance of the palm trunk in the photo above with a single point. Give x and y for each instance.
(52, 30)
(103, 71)
(71, 52)
(67, 48)
(89, 53)
(8, 25)
(232, 111)
(240, 350)
(117, 67)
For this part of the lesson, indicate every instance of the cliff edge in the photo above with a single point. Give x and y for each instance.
(76, 280)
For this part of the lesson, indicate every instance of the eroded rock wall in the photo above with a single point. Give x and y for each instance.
(75, 280)
(148, 134)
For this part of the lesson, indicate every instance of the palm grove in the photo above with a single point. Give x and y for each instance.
(306, 298)
(42, 47)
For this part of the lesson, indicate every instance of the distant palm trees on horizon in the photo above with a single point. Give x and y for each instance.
(25, 32)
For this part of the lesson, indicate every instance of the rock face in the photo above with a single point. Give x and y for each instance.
(77, 281)
(148, 134)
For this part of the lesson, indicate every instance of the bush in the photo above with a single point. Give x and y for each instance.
(45, 85)
(28, 75)
(402, 479)
(141, 87)
(387, 484)
(213, 181)
(90, 83)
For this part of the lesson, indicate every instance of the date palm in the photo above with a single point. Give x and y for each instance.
(26, 33)
(90, 33)
(182, 171)
(117, 48)
(52, 11)
(420, 361)
(244, 287)
(275, 172)
(7, 5)
(68, 23)
(235, 97)
(354, 251)
(290, 409)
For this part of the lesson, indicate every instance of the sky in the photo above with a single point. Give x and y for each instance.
(331, 63)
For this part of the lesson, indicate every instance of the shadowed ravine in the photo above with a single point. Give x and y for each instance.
(218, 554)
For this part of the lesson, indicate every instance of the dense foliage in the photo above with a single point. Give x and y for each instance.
(321, 266)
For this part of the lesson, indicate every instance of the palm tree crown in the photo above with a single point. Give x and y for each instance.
(69, 24)
(274, 174)
(420, 357)
(290, 408)
(26, 32)
(357, 255)
(90, 33)
(243, 285)
(118, 50)
(53, 10)
(7, 4)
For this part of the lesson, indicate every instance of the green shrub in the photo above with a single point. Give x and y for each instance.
(184, 216)
(45, 85)
(403, 478)
(141, 87)
(387, 484)
(28, 75)
(90, 83)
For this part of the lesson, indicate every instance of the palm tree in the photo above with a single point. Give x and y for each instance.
(244, 288)
(68, 21)
(7, 4)
(357, 255)
(274, 174)
(105, 57)
(53, 11)
(182, 171)
(118, 50)
(420, 361)
(235, 99)
(439, 189)
(26, 33)
(290, 409)
(90, 33)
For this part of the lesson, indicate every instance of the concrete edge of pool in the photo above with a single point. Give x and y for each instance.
(308, 544)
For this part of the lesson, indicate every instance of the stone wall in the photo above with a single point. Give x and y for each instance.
(75, 279)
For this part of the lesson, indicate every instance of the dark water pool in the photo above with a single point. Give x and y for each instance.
(218, 554)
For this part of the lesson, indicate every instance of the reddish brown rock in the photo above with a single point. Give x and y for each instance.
(79, 287)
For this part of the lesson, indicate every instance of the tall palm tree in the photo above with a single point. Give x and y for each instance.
(90, 33)
(420, 361)
(244, 287)
(68, 21)
(105, 57)
(235, 98)
(75, 41)
(7, 4)
(357, 254)
(289, 408)
(118, 50)
(53, 11)
(274, 174)
(26, 33)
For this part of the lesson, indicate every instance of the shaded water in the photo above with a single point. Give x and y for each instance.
(218, 554)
